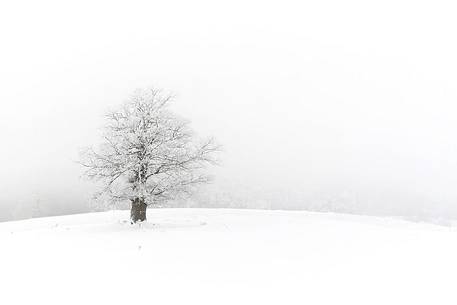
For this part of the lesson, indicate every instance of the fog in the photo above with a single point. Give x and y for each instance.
(323, 105)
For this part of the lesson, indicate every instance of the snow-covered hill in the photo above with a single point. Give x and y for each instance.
(203, 256)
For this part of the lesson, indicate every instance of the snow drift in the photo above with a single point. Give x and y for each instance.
(204, 256)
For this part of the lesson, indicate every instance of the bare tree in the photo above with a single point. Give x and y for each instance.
(148, 154)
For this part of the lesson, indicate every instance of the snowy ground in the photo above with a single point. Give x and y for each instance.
(203, 256)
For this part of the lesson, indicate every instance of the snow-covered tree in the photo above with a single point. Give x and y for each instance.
(148, 154)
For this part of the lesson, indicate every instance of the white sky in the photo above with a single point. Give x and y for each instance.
(306, 96)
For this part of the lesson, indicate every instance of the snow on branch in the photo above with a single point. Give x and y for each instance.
(148, 152)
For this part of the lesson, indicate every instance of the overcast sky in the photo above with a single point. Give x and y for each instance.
(307, 97)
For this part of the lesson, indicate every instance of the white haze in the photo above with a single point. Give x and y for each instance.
(328, 105)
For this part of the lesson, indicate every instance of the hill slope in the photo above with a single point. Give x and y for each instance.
(203, 256)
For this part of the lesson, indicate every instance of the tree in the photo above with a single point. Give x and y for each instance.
(148, 154)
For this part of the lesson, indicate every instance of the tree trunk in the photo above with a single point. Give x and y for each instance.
(138, 211)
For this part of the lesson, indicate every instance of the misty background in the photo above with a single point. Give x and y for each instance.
(343, 106)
